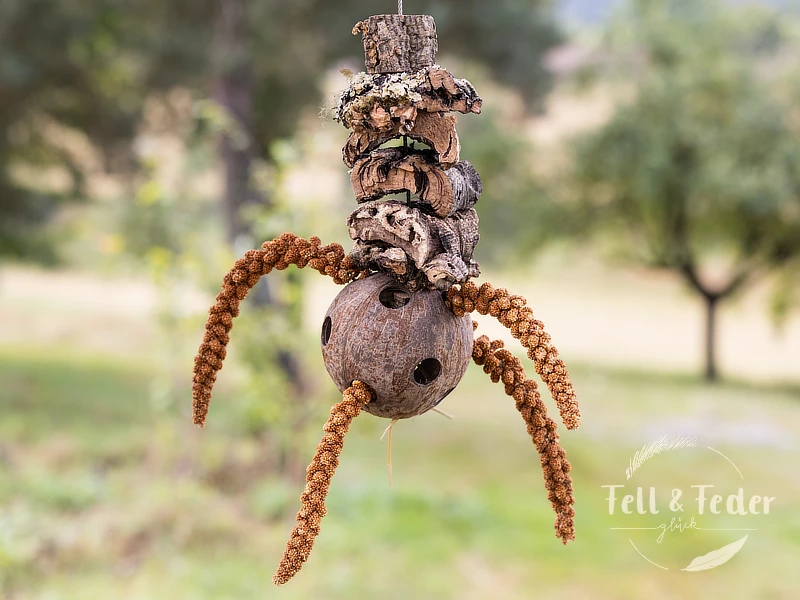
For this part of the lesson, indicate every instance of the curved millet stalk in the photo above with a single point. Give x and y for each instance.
(503, 366)
(288, 249)
(513, 313)
(318, 479)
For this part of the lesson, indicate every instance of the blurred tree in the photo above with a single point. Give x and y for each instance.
(263, 98)
(702, 166)
(75, 66)
(89, 66)
(517, 216)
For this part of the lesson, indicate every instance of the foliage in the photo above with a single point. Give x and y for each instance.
(67, 69)
(87, 68)
(703, 160)
(103, 496)
(702, 164)
(517, 214)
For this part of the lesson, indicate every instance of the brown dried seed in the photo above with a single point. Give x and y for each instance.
(279, 253)
(501, 364)
(313, 507)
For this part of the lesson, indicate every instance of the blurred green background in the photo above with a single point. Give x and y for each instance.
(641, 166)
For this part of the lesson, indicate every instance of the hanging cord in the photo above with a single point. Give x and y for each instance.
(405, 137)
(400, 7)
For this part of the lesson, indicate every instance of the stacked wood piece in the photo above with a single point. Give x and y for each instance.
(425, 237)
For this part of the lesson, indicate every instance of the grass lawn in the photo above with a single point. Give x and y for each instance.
(105, 493)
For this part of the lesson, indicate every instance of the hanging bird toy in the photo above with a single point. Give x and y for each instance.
(398, 338)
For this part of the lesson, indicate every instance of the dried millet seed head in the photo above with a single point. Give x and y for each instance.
(502, 365)
(513, 313)
(318, 478)
(275, 254)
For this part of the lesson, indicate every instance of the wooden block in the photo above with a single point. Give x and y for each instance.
(398, 43)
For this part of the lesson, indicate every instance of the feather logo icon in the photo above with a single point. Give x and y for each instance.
(685, 512)
(717, 557)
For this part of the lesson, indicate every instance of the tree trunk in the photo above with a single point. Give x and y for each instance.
(711, 338)
(398, 43)
(234, 91)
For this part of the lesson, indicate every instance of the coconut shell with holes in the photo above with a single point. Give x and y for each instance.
(407, 346)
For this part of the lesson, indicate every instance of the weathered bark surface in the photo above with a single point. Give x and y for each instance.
(440, 249)
(429, 241)
(441, 92)
(437, 130)
(466, 186)
(398, 43)
(382, 334)
(384, 102)
(393, 170)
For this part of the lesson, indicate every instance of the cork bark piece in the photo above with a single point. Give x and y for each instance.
(437, 130)
(379, 102)
(439, 250)
(393, 170)
(398, 43)
(443, 93)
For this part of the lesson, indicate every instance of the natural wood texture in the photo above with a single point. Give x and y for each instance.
(437, 130)
(394, 349)
(438, 252)
(392, 170)
(398, 43)
(441, 92)
(384, 102)
(466, 187)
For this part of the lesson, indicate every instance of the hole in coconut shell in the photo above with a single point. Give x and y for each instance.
(326, 331)
(427, 371)
(394, 297)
